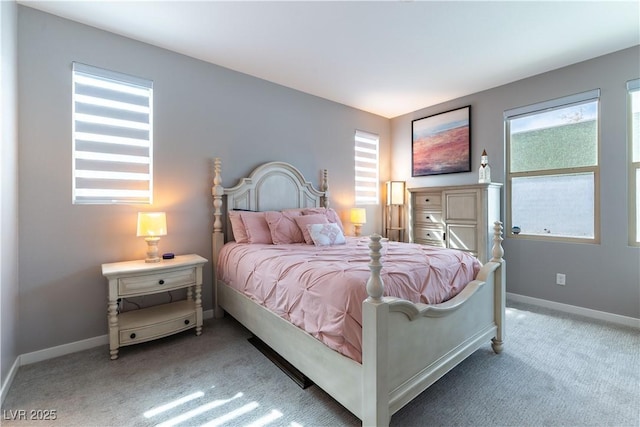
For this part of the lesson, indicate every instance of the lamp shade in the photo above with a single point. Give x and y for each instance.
(358, 216)
(395, 193)
(152, 224)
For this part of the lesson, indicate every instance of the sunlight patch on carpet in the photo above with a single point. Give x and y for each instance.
(160, 409)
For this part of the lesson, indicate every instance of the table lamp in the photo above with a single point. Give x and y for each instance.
(152, 225)
(358, 218)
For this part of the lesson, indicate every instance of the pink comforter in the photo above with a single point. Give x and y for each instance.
(321, 289)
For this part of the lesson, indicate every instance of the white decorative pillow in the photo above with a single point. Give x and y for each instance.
(332, 215)
(326, 234)
(305, 220)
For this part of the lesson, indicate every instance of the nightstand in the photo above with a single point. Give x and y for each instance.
(137, 278)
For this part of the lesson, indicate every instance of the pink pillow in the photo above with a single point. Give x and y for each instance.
(237, 226)
(283, 227)
(255, 224)
(305, 220)
(330, 213)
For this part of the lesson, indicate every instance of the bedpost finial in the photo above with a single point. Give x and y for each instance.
(375, 286)
(324, 187)
(217, 191)
(497, 250)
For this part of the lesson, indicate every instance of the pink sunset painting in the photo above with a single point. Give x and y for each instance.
(441, 143)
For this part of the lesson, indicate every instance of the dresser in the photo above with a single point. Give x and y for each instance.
(457, 217)
(138, 278)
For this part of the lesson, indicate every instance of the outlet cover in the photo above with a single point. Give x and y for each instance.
(561, 279)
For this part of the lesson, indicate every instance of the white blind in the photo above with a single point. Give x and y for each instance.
(366, 164)
(552, 104)
(112, 137)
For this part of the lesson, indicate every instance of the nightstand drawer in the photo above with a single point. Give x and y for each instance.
(157, 282)
(428, 200)
(155, 322)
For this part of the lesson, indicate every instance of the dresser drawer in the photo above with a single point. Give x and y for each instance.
(422, 216)
(433, 236)
(156, 282)
(428, 200)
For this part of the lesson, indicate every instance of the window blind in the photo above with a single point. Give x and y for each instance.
(552, 104)
(366, 168)
(112, 137)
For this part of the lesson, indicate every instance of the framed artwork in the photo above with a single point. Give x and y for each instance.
(441, 143)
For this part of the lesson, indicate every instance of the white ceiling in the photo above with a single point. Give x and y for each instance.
(385, 57)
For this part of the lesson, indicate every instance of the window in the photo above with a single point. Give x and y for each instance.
(552, 168)
(366, 162)
(633, 88)
(112, 137)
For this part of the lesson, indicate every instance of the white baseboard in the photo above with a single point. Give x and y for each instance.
(9, 380)
(572, 309)
(61, 350)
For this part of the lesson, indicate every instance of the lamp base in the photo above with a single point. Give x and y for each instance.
(152, 249)
(357, 229)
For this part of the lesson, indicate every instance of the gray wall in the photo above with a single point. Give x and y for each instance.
(8, 189)
(202, 111)
(605, 276)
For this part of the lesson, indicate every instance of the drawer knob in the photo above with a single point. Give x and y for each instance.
(161, 281)
(186, 322)
(428, 234)
(426, 200)
(428, 217)
(132, 336)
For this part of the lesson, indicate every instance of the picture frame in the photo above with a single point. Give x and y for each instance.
(441, 143)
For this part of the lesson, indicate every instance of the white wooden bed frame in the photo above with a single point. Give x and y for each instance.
(406, 347)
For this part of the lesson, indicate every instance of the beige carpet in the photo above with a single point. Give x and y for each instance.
(556, 370)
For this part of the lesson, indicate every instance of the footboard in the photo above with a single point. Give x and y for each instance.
(407, 347)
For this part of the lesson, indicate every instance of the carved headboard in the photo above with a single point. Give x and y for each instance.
(273, 186)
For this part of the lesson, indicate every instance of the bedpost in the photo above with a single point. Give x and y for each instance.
(218, 236)
(375, 343)
(324, 187)
(497, 251)
(500, 288)
(375, 286)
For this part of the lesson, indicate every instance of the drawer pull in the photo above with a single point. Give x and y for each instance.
(426, 200)
(428, 217)
(161, 282)
(186, 321)
(132, 336)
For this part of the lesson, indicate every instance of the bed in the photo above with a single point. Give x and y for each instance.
(405, 346)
